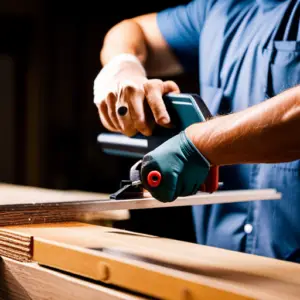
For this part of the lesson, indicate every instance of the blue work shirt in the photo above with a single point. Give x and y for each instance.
(246, 52)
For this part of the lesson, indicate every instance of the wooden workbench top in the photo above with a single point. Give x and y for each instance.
(129, 259)
(30, 281)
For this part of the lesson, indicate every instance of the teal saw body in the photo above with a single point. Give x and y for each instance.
(184, 110)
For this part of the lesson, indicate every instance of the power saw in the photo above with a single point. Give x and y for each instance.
(184, 110)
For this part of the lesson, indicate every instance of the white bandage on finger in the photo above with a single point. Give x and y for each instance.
(103, 83)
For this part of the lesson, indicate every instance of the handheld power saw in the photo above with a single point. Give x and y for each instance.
(184, 110)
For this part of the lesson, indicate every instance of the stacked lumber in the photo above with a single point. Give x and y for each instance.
(18, 246)
(158, 267)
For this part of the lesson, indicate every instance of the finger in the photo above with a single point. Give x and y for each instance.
(126, 94)
(154, 90)
(104, 117)
(137, 111)
(170, 87)
(111, 100)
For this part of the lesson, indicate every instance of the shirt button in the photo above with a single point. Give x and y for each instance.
(248, 228)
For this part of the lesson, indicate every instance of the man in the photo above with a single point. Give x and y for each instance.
(248, 57)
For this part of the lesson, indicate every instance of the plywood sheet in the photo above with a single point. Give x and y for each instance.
(122, 257)
(21, 205)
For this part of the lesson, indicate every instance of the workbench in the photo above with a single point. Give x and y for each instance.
(74, 259)
(30, 281)
(171, 269)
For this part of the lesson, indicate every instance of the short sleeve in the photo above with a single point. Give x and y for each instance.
(181, 27)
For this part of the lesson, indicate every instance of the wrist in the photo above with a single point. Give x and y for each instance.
(201, 135)
(124, 60)
(219, 139)
(123, 66)
(190, 149)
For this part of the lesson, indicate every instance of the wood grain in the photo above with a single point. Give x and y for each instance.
(18, 247)
(132, 259)
(30, 206)
(16, 202)
(29, 281)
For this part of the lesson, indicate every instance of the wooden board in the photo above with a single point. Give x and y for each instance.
(158, 267)
(40, 206)
(14, 197)
(29, 281)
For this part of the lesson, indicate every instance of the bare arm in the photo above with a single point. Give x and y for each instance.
(265, 133)
(141, 37)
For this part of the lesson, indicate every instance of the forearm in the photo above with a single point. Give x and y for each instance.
(125, 37)
(141, 37)
(265, 133)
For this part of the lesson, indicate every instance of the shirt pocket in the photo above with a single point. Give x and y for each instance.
(283, 72)
(283, 67)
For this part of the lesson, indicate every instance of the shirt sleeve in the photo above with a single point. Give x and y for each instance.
(181, 27)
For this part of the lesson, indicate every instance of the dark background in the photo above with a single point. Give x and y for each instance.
(49, 57)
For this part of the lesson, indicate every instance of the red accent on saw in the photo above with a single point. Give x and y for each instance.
(211, 183)
(154, 178)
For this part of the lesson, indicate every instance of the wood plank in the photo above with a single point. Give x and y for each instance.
(131, 257)
(38, 206)
(150, 279)
(29, 281)
(16, 199)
